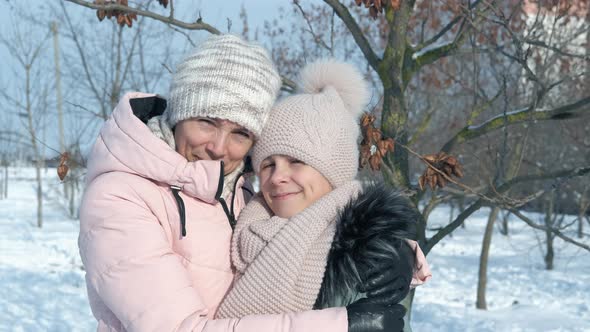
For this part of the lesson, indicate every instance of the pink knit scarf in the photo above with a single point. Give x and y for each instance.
(280, 263)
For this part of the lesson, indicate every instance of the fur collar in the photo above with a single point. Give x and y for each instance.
(373, 226)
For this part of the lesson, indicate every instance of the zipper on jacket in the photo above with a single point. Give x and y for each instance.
(180, 202)
(231, 217)
(228, 212)
(181, 211)
(220, 183)
(247, 169)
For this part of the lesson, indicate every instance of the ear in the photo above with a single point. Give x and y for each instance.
(148, 107)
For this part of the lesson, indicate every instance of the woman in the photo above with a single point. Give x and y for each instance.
(163, 187)
(315, 237)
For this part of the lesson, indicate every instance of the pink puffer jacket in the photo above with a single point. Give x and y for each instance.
(141, 274)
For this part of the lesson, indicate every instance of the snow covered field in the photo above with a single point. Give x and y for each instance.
(42, 283)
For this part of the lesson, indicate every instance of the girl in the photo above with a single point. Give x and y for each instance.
(315, 237)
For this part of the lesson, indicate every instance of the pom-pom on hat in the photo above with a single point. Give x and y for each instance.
(319, 125)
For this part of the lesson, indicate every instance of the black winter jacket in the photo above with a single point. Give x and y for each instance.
(370, 229)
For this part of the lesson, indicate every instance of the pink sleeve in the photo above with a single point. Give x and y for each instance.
(327, 320)
(132, 269)
(422, 273)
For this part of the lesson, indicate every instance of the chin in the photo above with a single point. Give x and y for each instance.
(282, 214)
(288, 214)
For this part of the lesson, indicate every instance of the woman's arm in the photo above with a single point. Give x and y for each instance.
(132, 269)
(370, 254)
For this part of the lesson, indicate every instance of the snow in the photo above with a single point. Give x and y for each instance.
(42, 283)
(438, 44)
(521, 295)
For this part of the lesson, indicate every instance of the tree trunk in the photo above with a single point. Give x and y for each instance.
(504, 228)
(584, 204)
(483, 260)
(5, 181)
(549, 256)
(59, 106)
(393, 72)
(36, 154)
(581, 226)
(71, 198)
(461, 209)
(38, 167)
(549, 221)
(407, 303)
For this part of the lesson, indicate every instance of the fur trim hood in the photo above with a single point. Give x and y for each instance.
(373, 226)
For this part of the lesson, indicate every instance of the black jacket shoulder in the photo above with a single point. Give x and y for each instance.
(372, 227)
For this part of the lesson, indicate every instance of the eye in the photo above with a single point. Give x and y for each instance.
(296, 161)
(267, 165)
(207, 121)
(242, 133)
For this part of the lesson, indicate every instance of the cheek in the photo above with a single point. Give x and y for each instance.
(317, 185)
(239, 151)
(196, 138)
(326, 187)
(264, 180)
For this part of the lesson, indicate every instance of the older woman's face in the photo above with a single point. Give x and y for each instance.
(213, 139)
(289, 185)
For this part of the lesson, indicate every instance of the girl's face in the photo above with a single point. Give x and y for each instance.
(289, 185)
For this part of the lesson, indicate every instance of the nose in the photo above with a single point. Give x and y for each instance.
(280, 174)
(216, 147)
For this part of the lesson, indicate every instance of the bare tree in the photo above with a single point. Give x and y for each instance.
(26, 50)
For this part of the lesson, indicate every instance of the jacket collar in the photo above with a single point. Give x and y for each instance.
(126, 144)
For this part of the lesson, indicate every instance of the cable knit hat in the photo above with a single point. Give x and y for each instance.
(227, 78)
(319, 126)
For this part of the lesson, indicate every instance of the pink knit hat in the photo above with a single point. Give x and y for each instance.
(319, 125)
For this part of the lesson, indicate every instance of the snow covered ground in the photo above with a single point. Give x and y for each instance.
(42, 283)
(521, 295)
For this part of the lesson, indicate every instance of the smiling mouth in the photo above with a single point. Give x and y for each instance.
(280, 197)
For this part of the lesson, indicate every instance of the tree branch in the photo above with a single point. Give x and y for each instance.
(430, 243)
(357, 33)
(559, 234)
(85, 65)
(315, 36)
(574, 110)
(556, 49)
(568, 173)
(198, 25)
(444, 30)
(421, 57)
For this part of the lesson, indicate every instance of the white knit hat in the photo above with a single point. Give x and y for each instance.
(320, 125)
(226, 78)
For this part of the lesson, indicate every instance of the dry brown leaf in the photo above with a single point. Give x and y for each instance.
(62, 171)
(422, 182)
(441, 167)
(395, 4)
(375, 162)
(101, 14)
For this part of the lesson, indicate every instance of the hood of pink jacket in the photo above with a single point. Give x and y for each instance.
(129, 146)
